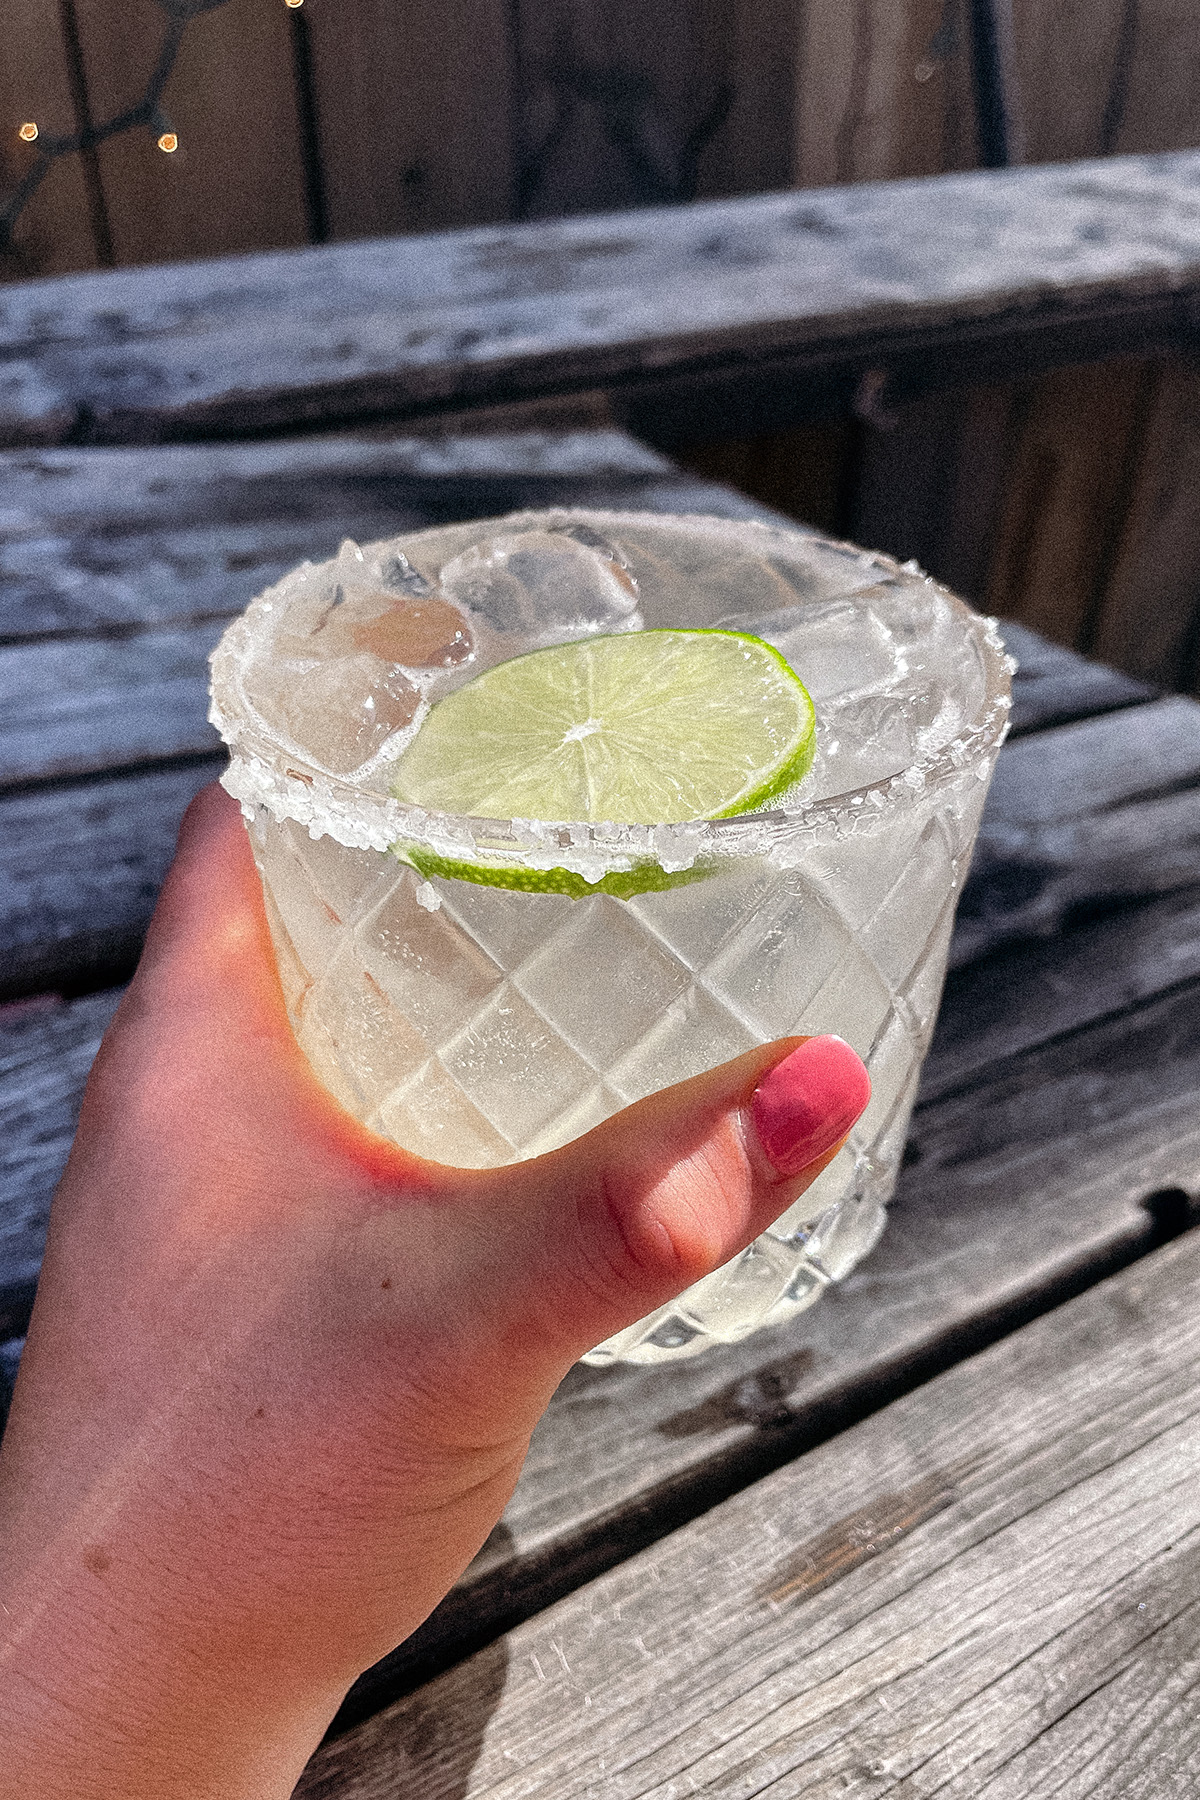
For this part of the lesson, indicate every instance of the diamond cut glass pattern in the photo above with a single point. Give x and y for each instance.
(478, 1025)
(602, 982)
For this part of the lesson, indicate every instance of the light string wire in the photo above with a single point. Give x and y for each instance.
(146, 111)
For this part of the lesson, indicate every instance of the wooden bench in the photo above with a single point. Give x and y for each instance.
(693, 321)
(1056, 1139)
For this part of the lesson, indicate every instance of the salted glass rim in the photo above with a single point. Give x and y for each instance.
(264, 771)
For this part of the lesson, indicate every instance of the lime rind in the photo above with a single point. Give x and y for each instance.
(796, 766)
(643, 878)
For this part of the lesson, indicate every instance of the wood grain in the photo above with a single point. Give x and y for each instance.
(80, 869)
(414, 114)
(1069, 54)
(100, 541)
(989, 1588)
(1067, 501)
(235, 181)
(1147, 620)
(804, 473)
(1106, 75)
(72, 707)
(46, 1050)
(930, 480)
(883, 90)
(1098, 765)
(54, 232)
(1075, 442)
(754, 149)
(720, 308)
(1158, 100)
(615, 101)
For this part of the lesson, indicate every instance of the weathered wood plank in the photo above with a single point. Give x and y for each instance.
(1105, 75)
(929, 479)
(882, 90)
(46, 1049)
(1148, 617)
(1157, 92)
(70, 707)
(614, 107)
(753, 152)
(1075, 440)
(1071, 57)
(992, 1587)
(80, 869)
(718, 308)
(804, 472)
(1094, 765)
(414, 114)
(1032, 881)
(235, 183)
(105, 540)
(1064, 501)
(1112, 958)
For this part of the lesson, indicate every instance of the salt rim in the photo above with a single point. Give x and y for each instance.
(264, 773)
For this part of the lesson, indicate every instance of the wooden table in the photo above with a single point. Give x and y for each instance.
(938, 1536)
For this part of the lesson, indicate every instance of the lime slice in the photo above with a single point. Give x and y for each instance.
(644, 728)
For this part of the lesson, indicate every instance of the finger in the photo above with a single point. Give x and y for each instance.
(209, 926)
(203, 1033)
(600, 1233)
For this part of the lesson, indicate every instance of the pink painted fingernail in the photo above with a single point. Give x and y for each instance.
(809, 1101)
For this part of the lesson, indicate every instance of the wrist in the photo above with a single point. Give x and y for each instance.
(116, 1702)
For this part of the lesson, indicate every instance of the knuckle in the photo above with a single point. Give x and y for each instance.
(652, 1242)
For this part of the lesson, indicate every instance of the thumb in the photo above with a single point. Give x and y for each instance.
(601, 1232)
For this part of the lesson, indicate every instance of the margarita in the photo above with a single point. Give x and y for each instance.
(484, 988)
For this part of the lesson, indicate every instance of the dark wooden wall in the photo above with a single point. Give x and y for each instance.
(1070, 501)
(1064, 501)
(344, 118)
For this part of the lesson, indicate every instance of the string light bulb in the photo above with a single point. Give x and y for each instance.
(142, 114)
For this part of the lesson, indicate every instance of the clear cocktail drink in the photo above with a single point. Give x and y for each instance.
(477, 1022)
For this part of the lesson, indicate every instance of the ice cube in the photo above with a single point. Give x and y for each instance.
(861, 740)
(416, 631)
(545, 586)
(397, 573)
(420, 633)
(340, 712)
(839, 648)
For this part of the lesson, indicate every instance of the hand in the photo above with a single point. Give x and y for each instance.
(281, 1375)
